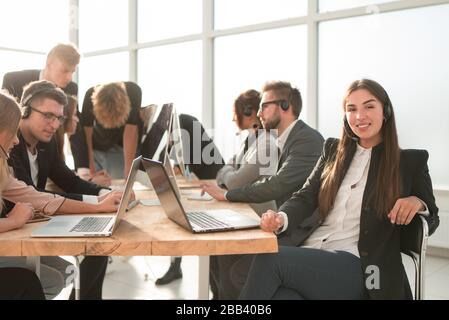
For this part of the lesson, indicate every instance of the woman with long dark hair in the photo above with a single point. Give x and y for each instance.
(343, 228)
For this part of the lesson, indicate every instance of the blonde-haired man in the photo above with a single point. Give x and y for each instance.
(111, 121)
(60, 65)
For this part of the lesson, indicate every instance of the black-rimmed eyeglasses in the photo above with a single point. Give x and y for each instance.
(265, 104)
(49, 116)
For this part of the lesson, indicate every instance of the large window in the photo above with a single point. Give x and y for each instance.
(247, 61)
(33, 25)
(172, 74)
(408, 56)
(236, 13)
(103, 24)
(168, 18)
(102, 69)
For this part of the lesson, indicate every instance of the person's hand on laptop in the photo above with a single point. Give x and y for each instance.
(110, 201)
(214, 190)
(20, 214)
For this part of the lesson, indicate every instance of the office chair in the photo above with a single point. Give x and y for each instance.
(414, 244)
(34, 263)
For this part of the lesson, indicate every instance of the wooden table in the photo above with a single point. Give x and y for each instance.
(146, 231)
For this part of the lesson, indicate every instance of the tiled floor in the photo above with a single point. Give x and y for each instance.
(133, 278)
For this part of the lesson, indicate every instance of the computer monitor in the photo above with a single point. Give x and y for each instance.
(153, 140)
(147, 114)
(178, 146)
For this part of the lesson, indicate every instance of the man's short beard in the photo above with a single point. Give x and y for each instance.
(42, 139)
(272, 123)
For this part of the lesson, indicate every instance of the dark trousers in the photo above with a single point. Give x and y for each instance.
(305, 273)
(20, 283)
(92, 272)
(230, 274)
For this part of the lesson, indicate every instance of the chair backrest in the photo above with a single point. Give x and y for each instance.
(202, 170)
(414, 244)
(412, 235)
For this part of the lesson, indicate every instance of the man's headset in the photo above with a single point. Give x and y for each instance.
(388, 111)
(37, 89)
(284, 104)
(26, 108)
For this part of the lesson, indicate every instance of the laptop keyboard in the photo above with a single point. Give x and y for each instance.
(205, 221)
(91, 224)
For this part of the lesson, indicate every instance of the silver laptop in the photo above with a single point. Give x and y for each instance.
(196, 222)
(86, 225)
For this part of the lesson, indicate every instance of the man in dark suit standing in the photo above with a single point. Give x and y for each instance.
(35, 159)
(299, 149)
(60, 65)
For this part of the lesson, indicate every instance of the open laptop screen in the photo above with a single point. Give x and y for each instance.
(127, 192)
(165, 192)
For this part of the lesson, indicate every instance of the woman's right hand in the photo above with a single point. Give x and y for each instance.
(271, 221)
(20, 214)
(111, 202)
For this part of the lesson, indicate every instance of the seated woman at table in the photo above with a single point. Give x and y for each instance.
(28, 201)
(344, 226)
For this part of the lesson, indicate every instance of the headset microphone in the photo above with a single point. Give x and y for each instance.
(5, 154)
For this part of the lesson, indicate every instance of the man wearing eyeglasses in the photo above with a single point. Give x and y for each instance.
(35, 159)
(299, 149)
